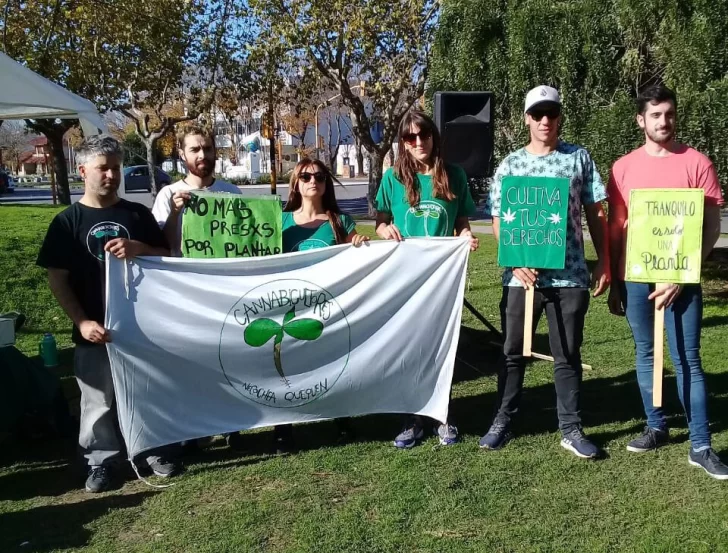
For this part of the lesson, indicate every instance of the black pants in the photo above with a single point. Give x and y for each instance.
(565, 311)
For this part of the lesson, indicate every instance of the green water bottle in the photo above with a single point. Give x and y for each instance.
(48, 351)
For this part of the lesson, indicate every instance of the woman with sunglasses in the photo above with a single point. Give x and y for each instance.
(312, 219)
(423, 196)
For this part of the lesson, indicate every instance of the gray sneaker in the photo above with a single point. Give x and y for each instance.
(447, 434)
(164, 468)
(651, 439)
(99, 480)
(709, 462)
(411, 432)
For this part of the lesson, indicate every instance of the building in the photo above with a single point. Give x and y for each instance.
(38, 160)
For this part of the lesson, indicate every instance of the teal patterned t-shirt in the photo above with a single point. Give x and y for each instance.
(567, 161)
(297, 238)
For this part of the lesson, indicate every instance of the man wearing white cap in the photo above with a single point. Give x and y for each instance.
(562, 294)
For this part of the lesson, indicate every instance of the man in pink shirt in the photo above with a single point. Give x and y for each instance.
(662, 163)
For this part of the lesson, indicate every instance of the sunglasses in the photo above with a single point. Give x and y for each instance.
(551, 113)
(318, 176)
(411, 137)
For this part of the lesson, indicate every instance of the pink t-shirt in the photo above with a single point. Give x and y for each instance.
(684, 168)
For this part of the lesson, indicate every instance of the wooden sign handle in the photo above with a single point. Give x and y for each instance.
(528, 322)
(659, 351)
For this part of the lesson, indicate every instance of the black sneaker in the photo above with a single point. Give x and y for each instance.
(498, 435)
(651, 439)
(283, 439)
(164, 468)
(709, 462)
(576, 442)
(99, 480)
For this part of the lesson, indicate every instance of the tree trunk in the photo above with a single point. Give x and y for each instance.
(54, 132)
(376, 168)
(150, 142)
(55, 139)
(360, 160)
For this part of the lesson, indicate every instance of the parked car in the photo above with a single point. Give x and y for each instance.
(7, 184)
(136, 178)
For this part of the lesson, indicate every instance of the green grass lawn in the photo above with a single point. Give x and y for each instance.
(368, 497)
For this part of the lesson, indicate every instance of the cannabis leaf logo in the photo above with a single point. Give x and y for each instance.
(555, 218)
(426, 213)
(509, 216)
(260, 331)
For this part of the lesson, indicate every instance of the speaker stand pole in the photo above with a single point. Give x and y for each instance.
(483, 320)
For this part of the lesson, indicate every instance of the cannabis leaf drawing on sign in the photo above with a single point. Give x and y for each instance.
(426, 213)
(260, 331)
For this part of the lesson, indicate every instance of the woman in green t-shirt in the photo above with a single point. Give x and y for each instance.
(423, 196)
(312, 219)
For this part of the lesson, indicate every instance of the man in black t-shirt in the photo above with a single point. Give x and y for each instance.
(74, 252)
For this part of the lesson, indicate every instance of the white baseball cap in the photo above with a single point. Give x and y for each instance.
(541, 94)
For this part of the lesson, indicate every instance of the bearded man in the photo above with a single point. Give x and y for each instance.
(197, 150)
(663, 163)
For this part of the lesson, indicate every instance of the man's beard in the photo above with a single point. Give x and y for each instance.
(662, 138)
(101, 190)
(202, 169)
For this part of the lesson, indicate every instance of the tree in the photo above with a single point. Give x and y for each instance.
(599, 54)
(137, 56)
(386, 44)
(14, 141)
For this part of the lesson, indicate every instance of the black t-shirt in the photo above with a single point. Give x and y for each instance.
(75, 242)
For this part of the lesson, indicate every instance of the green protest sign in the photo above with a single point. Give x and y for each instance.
(533, 222)
(229, 225)
(665, 235)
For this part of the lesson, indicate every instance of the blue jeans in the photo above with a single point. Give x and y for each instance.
(682, 321)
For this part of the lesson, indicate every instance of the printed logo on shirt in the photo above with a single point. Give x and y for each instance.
(101, 233)
(427, 219)
(309, 244)
(294, 338)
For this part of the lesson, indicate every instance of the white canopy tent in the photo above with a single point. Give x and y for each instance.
(26, 95)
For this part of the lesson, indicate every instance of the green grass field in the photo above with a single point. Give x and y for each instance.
(368, 497)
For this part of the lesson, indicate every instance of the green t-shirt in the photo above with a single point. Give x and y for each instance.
(433, 216)
(297, 238)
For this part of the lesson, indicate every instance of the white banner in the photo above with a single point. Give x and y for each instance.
(204, 347)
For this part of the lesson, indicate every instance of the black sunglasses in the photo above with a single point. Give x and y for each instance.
(411, 137)
(318, 176)
(550, 112)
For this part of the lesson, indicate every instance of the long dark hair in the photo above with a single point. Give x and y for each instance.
(405, 168)
(328, 200)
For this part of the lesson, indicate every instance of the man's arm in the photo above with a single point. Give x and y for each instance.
(711, 228)
(596, 220)
(617, 224)
(58, 280)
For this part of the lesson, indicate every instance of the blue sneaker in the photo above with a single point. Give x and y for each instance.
(447, 434)
(411, 433)
(498, 435)
(709, 462)
(576, 442)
